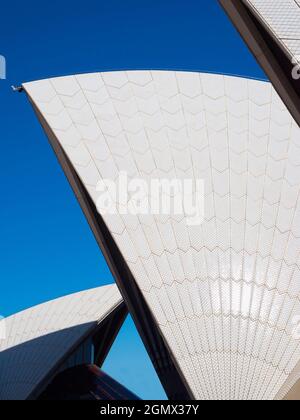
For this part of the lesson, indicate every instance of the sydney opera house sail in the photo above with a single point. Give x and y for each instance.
(271, 29)
(47, 339)
(217, 302)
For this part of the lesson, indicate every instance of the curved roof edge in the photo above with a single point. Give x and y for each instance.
(142, 69)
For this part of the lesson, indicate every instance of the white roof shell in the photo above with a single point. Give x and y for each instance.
(224, 294)
(38, 339)
(282, 18)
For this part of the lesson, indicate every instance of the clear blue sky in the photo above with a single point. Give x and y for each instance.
(46, 247)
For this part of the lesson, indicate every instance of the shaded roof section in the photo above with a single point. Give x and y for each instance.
(271, 29)
(86, 382)
(223, 294)
(38, 339)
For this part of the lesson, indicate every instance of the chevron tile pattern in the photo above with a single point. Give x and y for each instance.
(224, 294)
(37, 339)
(282, 17)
